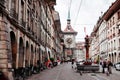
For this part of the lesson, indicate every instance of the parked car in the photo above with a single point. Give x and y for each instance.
(117, 66)
(79, 62)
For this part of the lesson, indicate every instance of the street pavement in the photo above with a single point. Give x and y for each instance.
(66, 72)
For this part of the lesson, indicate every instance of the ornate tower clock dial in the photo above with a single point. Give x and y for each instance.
(69, 40)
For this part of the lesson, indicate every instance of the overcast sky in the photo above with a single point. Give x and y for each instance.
(83, 13)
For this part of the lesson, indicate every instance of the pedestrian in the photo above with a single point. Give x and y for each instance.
(48, 63)
(72, 63)
(109, 66)
(100, 65)
(104, 65)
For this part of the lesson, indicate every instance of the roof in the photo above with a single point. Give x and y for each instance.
(112, 9)
(69, 28)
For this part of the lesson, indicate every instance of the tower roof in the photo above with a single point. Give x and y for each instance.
(69, 28)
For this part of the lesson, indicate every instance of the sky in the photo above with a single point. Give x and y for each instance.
(83, 14)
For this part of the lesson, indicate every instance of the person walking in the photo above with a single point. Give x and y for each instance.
(100, 66)
(104, 66)
(72, 63)
(109, 66)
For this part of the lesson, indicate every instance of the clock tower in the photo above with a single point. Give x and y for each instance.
(69, 39)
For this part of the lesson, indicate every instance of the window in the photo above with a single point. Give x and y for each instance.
(110, 23)
(113, 21)
(28, 17)
(13, 4)
(119, 15)
(119, 42)
(119, 31)
(22, 10)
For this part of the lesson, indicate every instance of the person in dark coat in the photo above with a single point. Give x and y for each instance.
(110, 66)
(104, 65)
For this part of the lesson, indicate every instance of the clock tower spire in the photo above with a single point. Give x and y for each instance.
(68, 19)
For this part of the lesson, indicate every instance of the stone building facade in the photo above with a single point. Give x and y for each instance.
(28, 34)
(108, 27)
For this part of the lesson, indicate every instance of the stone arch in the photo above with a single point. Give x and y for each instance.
(27, 54)
(39, 54)
(21, 52)
(115, 56)
(31, 59)
(49, 54)
(13, 48)
(112, 58)
(118, 57)
(35, 57)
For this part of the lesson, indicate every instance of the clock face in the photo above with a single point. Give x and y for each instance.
(69, 40)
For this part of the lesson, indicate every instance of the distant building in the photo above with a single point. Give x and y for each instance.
(80, 51)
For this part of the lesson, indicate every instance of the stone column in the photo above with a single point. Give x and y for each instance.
(5, 57)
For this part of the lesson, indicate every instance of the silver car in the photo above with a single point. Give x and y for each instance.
(117, 66)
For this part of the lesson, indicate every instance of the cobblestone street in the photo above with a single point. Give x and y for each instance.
(65, 72)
